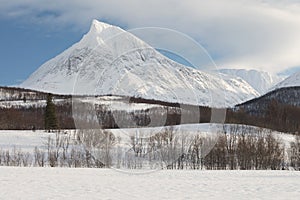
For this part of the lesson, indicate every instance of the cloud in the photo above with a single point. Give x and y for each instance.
(261, 34)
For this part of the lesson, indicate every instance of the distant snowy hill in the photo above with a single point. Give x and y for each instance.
(261, 81)
(289, 71)
(291, 81)
(109, 60)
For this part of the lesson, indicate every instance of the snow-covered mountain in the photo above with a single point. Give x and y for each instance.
(261, 81)
(109, 60)
(291, 81)
(288, 72)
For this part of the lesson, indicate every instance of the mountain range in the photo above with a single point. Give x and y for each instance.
(110, 61)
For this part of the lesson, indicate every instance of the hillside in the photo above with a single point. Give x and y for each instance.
(291, 81)
(278, 110)
(24, 109)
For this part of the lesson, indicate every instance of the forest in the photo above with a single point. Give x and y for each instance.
(270, 111)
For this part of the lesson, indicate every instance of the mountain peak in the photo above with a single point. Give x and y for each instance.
(98, 26)
(109, 60)
(99, 32)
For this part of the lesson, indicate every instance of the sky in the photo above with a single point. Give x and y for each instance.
(259, 34)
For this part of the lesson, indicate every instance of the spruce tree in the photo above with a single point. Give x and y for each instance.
(50, 115)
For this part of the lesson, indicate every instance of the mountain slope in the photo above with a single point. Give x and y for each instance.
(109, 60)
(291, 81)
(288, 72)
(261, 81)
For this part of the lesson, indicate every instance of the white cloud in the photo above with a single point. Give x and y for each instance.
(262, 34)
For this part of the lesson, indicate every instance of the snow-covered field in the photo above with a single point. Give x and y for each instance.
(24, 140)
(67, 183)
(28, 140)
(92, 183)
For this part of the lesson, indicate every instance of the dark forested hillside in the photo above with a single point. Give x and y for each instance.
(25, 109)
(14, 93)
(285, 96)
(278, 110)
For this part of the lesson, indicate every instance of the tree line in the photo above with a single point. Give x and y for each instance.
(273, 115)
(270, 111)
(235, 147)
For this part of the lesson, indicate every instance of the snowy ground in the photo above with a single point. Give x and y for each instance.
(67, 183)
(27, 140)
(71, 183)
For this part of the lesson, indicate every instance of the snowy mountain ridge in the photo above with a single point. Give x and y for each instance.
(109, 60)
(261, 81)
(291, 81)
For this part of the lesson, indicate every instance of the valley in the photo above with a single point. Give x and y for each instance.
(113, 101)
(163, 100)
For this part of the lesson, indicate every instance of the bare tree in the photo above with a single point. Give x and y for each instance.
(295, 154)
(39, 157)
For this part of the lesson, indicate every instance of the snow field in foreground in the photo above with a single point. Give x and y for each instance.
(70, 183)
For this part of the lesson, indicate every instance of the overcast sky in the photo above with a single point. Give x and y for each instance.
(261, 34)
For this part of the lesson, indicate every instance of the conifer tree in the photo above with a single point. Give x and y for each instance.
(50, 115)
